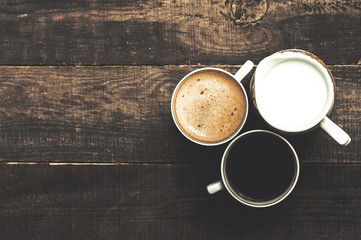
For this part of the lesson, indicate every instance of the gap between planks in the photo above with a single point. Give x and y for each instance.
(159, 65)
(100, 163)
(142, 163)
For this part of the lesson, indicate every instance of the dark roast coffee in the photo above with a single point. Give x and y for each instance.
(260, 166)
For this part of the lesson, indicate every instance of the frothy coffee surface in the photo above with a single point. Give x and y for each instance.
(210, 106)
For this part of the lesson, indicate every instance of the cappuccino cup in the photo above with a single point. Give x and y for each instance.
(293, 91)
(209, 105)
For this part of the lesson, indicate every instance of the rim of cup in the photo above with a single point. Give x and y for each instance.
(175, 118)
(266, 203)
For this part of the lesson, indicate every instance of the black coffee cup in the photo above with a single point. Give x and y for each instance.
(259, 168)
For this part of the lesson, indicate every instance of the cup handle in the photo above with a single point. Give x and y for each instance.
(335, 131)
(244, 70)
(215, 187)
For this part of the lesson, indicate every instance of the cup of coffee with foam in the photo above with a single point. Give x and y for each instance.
(209, 105)
(293, 91)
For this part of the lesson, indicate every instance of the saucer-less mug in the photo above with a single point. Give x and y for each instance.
(259, 168)
(293, 91)
(203, 107)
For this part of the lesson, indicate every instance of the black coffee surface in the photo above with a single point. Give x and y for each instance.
(260, 166)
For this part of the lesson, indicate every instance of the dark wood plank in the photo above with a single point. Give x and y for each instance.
(170, 202)
(122, 114)
(175, 32)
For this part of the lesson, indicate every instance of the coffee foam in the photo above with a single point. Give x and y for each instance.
(210, 106)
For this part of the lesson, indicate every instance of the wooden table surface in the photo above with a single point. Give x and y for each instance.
(88, 148)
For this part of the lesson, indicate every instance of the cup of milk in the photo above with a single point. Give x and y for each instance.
(294, 91)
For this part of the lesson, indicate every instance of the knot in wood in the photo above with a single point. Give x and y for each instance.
(245, 12)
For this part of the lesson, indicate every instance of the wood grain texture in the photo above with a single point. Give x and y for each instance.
(122, 114)
(170, 202)
(175, 32)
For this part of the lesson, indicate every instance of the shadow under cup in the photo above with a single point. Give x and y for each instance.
(260, 168)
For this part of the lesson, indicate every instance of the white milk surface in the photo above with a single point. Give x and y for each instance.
(292, 95)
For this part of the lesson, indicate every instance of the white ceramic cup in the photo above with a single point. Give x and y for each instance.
(293, 91)
(225, 181)
(240, 74)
